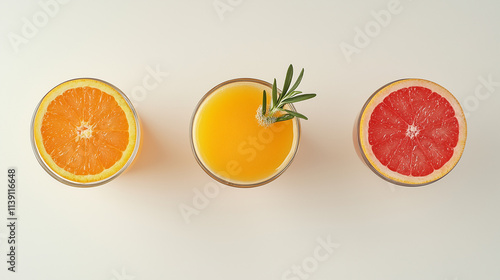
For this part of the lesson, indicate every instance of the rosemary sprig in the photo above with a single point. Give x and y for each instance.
(289, 95)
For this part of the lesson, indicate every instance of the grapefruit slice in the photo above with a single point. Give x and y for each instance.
(412, 132)
(85, 132)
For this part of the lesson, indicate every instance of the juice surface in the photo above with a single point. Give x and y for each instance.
(231, 142)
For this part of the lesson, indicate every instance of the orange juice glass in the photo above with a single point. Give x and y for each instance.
(231, 145)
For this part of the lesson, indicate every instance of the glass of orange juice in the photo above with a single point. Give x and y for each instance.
(85, 132)
(229, 142)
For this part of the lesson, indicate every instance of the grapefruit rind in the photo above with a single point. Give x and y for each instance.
(383, 171)
(124, 104)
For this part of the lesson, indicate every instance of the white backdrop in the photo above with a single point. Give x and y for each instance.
(327, 217)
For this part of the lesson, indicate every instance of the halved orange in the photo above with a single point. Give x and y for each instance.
(85, 131)
(412, 132)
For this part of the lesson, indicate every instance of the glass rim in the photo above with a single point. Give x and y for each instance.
(71, 183)
(227, 181)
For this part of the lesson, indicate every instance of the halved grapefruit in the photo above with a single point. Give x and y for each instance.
(85, 132)
(411, 132)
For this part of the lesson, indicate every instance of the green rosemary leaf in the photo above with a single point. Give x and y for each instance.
(274, 95)
(288, 81)
(292, 93)
(296, 114)
(264, 103)
(299, 79)
(285, 117)
(298, 98)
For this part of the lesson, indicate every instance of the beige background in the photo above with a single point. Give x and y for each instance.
(166, 54)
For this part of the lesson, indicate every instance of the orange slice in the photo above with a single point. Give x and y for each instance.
(412, 132)
(85, 131)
